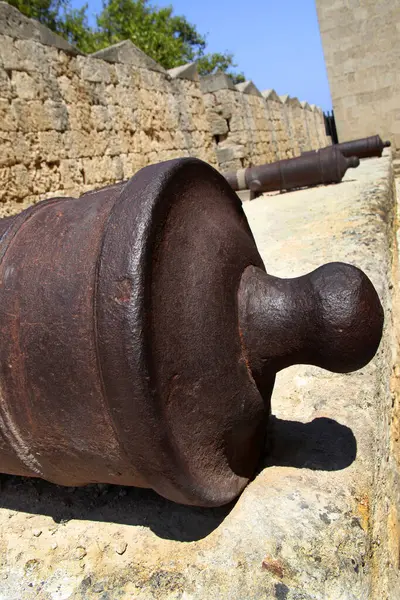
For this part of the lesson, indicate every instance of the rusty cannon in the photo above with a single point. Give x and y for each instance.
(368, 147)
(308, 170)
(141, 335)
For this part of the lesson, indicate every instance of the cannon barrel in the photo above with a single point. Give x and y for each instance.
(363, 148)
(141, 335)
(312, 169)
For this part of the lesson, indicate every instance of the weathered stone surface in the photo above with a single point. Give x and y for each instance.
(68, 123)
(188, 71)
(120, 103)
(270, 95)
(228, 153)
(126, 52)
(213, 83)
(248, 87)
(320, 520)
(16, 25)
(362, 54)
(218, 125)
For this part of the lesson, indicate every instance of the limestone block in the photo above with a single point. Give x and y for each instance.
(28, 87)
(125, 118)
(15, 183)
(197, 139)
(5, 84)
(35, 115)
(9, 55)
(31, 56)
(210, 101)
(79, 144)
(50, 145)
(96, 71)
(71, 174)
(188, 71)
(155, 80)
(237, 122)
(9, 207)
(105, 94)
(101, 118)
(126, 97)
(16, 25)
(23, 55)
(131, 163)
(271, 95)
(179, 140)
(80, 117)
(46, 178)
(215, 82)
(7, 155)
(73, 90)
(126, 52)
(230, 153)
(102, 169)
(230, 165)
(128, 76)
(248, 87)
(8, 121)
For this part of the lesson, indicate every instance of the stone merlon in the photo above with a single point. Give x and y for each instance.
(16, 25)
(127, 53)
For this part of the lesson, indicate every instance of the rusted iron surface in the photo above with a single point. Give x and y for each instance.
(141, 335)
(307, 170)
(363, 148)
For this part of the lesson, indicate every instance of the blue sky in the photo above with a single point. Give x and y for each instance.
(276, 43)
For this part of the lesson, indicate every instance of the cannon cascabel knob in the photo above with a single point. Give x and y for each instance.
(331, 318)
(140, 335)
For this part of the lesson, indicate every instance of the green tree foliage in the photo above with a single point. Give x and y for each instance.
(211, 63)
(170, 40)
(58, 16)
(167, 38)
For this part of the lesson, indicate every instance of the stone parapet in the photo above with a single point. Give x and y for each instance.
(69, 121)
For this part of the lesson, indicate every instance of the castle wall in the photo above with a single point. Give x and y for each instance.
(70, 122)
(362, 54)
(252, 128)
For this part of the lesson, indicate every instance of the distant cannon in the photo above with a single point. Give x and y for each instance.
(141, 335)
(314, 168)
(363, 148)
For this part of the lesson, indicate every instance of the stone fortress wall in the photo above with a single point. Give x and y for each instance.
(362, 54)
(71, 122)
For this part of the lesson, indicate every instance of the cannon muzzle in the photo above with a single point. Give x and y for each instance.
(141, 335)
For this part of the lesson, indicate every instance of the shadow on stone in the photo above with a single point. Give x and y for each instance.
(113, 504)
(322, 444)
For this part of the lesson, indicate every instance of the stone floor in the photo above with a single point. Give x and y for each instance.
(318, 522)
